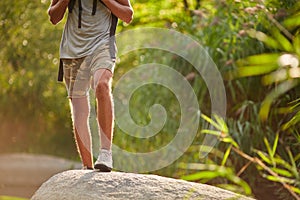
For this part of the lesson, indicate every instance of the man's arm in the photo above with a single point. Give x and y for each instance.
(57, 10)
(121, 8)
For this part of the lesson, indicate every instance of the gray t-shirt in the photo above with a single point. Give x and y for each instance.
(95, 30)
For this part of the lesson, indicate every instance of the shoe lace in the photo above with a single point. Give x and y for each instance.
(105, 155)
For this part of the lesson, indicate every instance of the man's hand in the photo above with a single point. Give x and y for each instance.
(57, 10)
(121, 8)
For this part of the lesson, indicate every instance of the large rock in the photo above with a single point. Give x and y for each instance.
(93, 185)
(22, 174)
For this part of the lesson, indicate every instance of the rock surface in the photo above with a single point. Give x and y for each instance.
(93, 185)
(22, 174)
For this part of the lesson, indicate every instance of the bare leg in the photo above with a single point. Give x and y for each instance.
(80, 114)
(105, 114)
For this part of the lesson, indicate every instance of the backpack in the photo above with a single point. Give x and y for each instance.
(112, 30)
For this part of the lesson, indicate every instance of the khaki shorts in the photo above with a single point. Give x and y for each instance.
(78, 72)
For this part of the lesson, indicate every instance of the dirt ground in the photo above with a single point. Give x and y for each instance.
(22, 174)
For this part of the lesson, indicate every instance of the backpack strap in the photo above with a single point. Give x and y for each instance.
(60, 75)
(94, 7)
(80, 14)
(71, 6)
(114, 23)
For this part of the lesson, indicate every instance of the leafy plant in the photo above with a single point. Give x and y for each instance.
(279, 66)
(270, 164)
(211, 169)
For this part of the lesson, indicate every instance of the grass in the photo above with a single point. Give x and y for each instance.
(11, 198)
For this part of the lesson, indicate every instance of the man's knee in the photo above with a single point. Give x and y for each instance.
(103, 85)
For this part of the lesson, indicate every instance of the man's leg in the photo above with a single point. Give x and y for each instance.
(80, 115)
(105, 117)
(77, 80)
(105, 113)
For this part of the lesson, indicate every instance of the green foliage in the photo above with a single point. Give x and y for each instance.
(32, 104)
(280, 69)
(211, 171)
(229, 41)
(271, 165)
(295, 105)
(11, 198)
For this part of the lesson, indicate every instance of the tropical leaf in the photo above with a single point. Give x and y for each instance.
(230, 141)
(279, 179)
(297, 190)
(237, 180)
(297, 157)
(274, 94)
(294, 166)
(264, 157)
(268, 40)
(282, 172)
(204, 167)
(260, 59)
(275, 77)
(270, 152)
(226, 155)
(201, 175)
(214, 171)
(255, 70)
(296, 44)
(282, 40)
(292, 22)
(295, 120)
(212, 122)
(222, 124)
(282, 163)
(211, 132)
(275, 144)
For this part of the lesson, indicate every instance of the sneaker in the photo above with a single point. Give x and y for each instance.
(104, 161)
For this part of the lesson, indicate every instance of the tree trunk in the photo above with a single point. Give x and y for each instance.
(186, 5)
(197, 4)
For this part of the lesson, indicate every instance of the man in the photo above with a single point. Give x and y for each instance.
(87, 54)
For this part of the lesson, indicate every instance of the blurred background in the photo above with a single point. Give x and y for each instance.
(254, 43)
